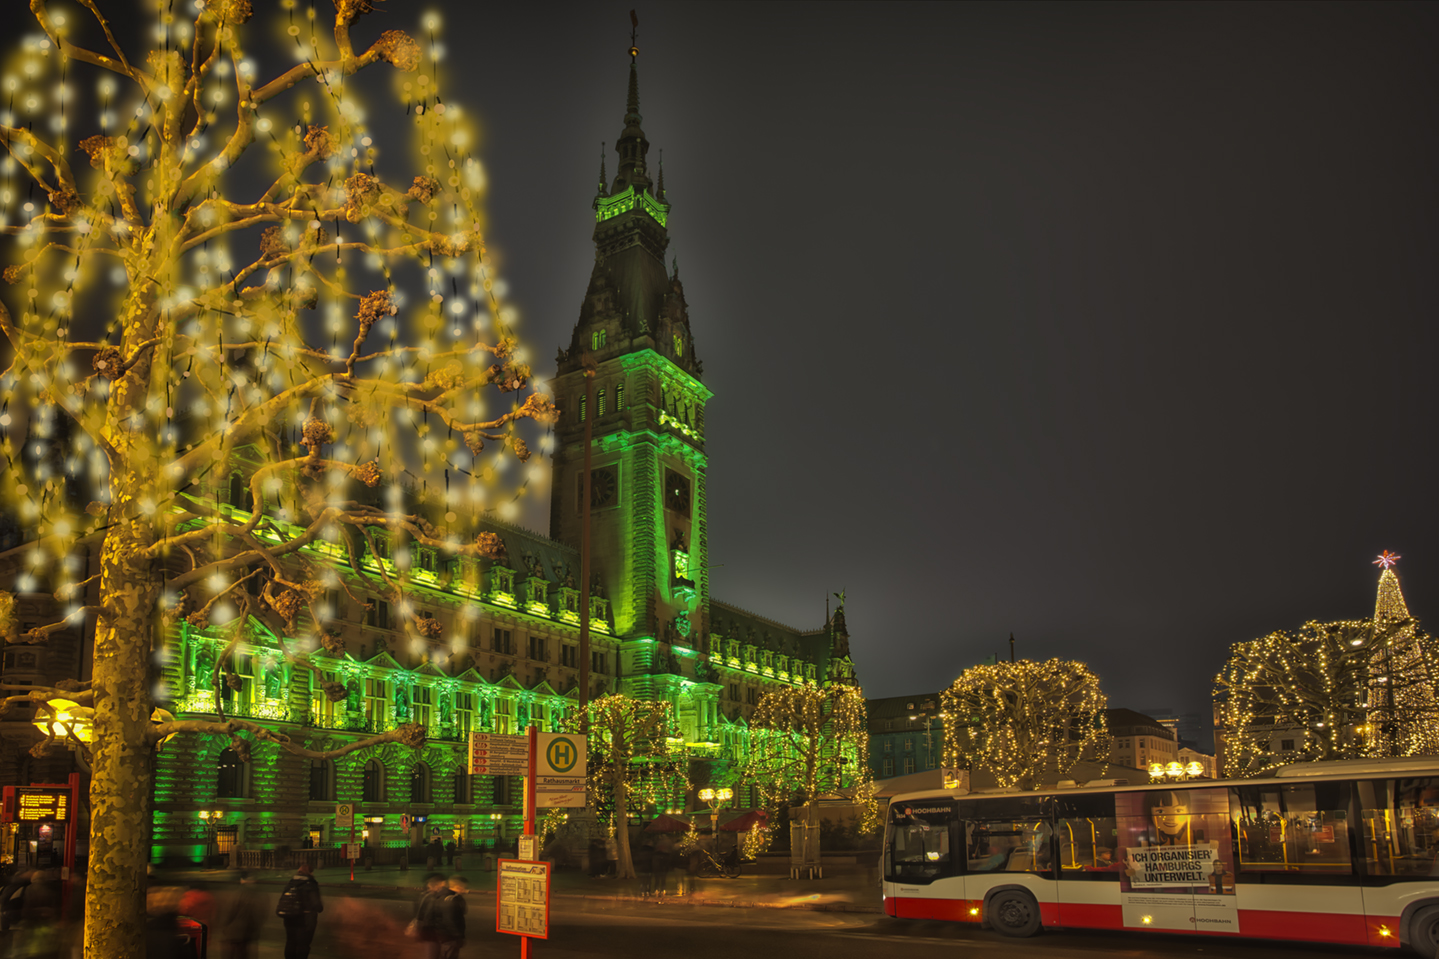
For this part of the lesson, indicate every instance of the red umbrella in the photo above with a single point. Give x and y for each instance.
(745, 823)
(668, 824)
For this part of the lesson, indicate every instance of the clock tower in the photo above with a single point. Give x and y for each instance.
(648, 531)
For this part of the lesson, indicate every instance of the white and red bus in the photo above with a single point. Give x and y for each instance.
(1335, 852)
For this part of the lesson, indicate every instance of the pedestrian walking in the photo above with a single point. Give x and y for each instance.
(238, 919)
(429, 924)
(300, 908)
(455, 907)
(450, 848)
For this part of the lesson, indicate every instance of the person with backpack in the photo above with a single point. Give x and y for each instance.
(300, 908)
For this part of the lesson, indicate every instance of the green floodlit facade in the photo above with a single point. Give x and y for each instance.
(508, 654)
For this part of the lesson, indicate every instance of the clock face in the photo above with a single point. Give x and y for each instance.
(677, 493)
(604, 487)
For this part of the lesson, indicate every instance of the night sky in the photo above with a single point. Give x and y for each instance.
(1108, 326)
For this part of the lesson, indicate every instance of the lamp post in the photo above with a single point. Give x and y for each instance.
(715, 799)
(1174, 772)
(929, 717)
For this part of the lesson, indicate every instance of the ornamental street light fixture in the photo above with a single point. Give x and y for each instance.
(715, 799)
(1175, 772)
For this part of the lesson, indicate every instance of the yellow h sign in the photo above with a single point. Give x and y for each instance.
(561, 754)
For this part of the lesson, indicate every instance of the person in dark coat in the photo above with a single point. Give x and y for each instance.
(238, 920)
(300, 929)
(431, 920)
(453, 936)
(450, 848)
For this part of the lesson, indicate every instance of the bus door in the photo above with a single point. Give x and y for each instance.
(1295, 877)
(1009, 842)
(923, 876)
(1177, 850)
(1398, 841)
(1090, 865)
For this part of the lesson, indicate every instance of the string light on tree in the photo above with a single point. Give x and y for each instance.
(1028, 723)
(258, 295)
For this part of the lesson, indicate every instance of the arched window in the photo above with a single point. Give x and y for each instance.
(420, 784)
(464, 788)
(231, 783)
(322, 780)
(374, 783)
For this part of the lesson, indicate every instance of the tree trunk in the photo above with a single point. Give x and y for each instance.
(121, 780)
(625, 865)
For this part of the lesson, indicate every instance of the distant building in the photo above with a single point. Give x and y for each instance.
(906, 735)
(1139, 740)
(1189, 755)
(1190, 728)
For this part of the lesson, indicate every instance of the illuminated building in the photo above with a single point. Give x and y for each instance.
(502, 645)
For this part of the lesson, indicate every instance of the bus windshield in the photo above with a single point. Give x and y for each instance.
(918, 841)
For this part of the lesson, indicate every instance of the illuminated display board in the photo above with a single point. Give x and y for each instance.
(36, 804)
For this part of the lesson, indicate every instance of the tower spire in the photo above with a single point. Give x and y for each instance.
(603, 178)
(661, 186)
(632, 145)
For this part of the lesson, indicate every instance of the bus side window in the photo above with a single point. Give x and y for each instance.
(1009, 846)
(1088, 839)
(1294, 828)
(1399, 823)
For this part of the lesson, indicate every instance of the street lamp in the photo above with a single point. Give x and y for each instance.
(1175, 772)
(715, 799)
(929, 717)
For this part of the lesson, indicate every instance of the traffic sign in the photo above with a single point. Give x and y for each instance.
(404, 822)
(499, 755)
(560, 760)
(345, 814)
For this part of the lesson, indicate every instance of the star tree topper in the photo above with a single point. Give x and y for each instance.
(1387, 559)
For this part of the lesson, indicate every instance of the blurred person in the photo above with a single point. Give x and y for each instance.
(12, 899)
(364, 930)
(238, 919)
(165, 938)
(663, 860)
(455, 907)
(198, 904)
(428, 926)
(450, 848)
(300, 907)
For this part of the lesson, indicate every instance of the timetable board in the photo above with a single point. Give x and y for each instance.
(522, 898)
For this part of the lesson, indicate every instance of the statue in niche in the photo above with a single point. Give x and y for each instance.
(446, 710)
(682, 626)
(204, 664)
(679, 543)
(485, 708)
(274, 677)
(533, 565)
(402, 701)
(352, 696)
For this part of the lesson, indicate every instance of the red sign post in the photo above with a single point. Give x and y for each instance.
(522, 887)
(48, 803)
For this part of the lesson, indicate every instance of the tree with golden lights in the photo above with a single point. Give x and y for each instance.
(635, 759)
(1027, 723)
(1341, 690)
(807, 742)
(238, 280)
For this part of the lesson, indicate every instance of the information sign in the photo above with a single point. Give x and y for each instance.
(499, 755)
(529, 848)
(345, 815)
(560, 760)
(36, 804)
(352, 851)
(522, 898)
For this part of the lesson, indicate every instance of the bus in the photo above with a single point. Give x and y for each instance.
(1337, 852)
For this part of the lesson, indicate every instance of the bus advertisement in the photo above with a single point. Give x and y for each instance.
(1336, 852)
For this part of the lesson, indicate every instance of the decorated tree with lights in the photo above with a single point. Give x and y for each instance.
(1025, 722)
(1340, 690)
(634, 761)
(234, 282)
(807, 742)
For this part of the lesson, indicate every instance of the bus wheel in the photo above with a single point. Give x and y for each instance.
(1014, 913)
(1424, 932)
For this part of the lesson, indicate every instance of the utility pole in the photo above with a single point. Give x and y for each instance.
(585, 550)
(1011, 647)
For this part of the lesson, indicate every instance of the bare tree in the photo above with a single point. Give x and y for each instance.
(1340, 690)
(1025, 722)
(234, 283)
